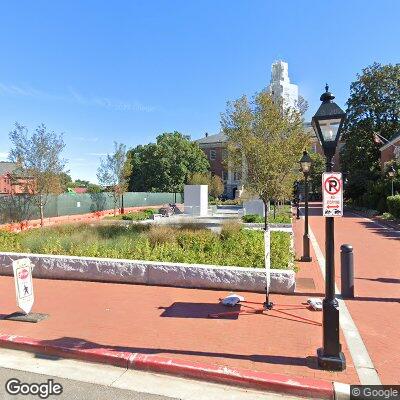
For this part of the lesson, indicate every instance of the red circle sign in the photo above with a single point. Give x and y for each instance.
(332, 185)
(23, 274)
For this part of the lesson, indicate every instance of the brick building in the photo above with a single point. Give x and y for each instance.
(9, 183)
(214, 147)
(390, 150)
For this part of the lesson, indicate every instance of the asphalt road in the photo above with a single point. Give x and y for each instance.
(72, 390)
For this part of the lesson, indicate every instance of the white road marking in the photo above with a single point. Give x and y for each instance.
(362, 361)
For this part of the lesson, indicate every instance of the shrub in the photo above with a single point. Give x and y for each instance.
(393, 203)
(230, 228)
(280, 218)
(252, 218)
(239, 247)
(158, 234)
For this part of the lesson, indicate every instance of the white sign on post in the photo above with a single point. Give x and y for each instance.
(23, 283)
(332, 193)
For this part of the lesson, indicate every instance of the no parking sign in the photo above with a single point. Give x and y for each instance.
(332, 191)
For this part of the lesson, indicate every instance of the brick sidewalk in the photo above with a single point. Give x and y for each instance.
(173, 322)
(376, 307)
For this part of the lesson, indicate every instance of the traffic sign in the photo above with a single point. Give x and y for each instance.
(332, 194)
(23, 283)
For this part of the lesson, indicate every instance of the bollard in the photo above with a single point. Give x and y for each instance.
(347, 270)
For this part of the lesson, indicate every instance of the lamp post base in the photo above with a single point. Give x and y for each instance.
(306, 258)
(331, 363)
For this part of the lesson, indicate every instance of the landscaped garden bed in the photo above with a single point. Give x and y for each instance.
(233, 246)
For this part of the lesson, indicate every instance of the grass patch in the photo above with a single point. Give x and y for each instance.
(233, 246)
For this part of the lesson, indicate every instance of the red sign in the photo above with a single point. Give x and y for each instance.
(23, 274)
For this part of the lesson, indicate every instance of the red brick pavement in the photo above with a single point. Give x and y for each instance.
(173, 322)
(376, 307)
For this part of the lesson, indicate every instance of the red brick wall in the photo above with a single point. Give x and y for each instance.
(387, 155)
(216, 164)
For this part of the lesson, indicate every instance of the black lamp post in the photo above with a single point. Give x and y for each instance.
(305, 165)
(392, 173)
(297, 198)
(327, 123)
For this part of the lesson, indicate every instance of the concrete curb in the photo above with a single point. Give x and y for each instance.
(144, 272)
(86, 351)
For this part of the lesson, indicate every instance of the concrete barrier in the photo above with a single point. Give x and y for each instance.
(152, 272)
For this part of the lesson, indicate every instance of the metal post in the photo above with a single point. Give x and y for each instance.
(306, 238)
(330, 356)
(122, 204)
(392, 188)
(347, 270)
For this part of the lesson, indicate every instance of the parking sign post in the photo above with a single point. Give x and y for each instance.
(327, 123)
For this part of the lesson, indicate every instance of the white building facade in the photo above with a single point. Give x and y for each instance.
(214, 146)
(280, 88)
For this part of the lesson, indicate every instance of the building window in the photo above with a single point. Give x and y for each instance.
(224, 154)
(224, 176)
(237, 176)
(213, 155)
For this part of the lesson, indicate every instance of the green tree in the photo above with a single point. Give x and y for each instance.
(269, 141)
(166, 165)
(114, 171)
(317, 169)
(199, 178)
(215, 186)
(373, 106)
(39, 163)
(214, 182)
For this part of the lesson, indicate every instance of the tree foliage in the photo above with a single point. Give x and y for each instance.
(166, 165)
(317, 169)
(114, 171)
(39, 163)
(214, 182)
(373, 106)
(269, 142)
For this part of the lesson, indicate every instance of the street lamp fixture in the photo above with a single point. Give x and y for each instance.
(392, 173)
(305, 166)
(327, 123)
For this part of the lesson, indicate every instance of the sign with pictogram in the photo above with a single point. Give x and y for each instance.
(23, 283)
(332, 194)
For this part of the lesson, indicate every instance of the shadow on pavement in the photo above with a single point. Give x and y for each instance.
(387, 232)
(73, 343)
(382, 280)
(197, 310)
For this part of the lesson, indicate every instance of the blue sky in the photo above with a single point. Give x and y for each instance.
(100, 71)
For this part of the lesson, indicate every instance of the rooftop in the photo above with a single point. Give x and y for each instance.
(391, 142)
(221, 137)
(217, 138)
(7, 167)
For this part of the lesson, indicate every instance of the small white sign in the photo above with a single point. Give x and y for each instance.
(78, 204)
(332, 193)
(23, 283)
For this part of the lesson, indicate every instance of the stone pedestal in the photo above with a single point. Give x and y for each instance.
(196, 200)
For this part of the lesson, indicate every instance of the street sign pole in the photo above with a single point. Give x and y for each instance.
(330, 356)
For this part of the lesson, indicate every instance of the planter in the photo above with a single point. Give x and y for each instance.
(152, 273)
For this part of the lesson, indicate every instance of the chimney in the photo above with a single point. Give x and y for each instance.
(206, 134)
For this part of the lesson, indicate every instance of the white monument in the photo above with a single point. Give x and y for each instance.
(254, 206)
(280, 87)
(196, 200)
